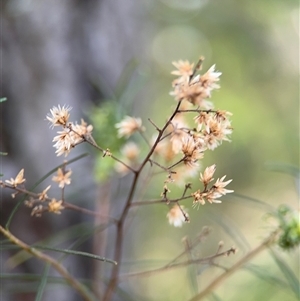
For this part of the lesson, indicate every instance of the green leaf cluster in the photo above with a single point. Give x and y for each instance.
(290, 226)
(105, 134)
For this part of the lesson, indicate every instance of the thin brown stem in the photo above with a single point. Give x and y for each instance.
(159, 201)
(197, 111)
(120, 224)
(205, 232)
(87, 211)
(119, 243)
(81, 289)
(65, 204)
(217, 281)
(90, 140)
(160, 166)
(177, 265)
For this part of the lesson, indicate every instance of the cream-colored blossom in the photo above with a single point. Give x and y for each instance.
(163, 149)
(43, 195)
(184, 172)
(59, 116)
(37, 211)
(55, 206)
(207, 176)
(178, 130)
(62, 178)
(121, 168)
(184, 69)
(209, 79)
(64, 142)
(216, 131)
(128, 126)
(130, 151)
(71, 136)
(192, 150)
(202, 119)
(78, 131)
(177, 216)
(212, 194)
(222, 115)
(18, 180)
(196, 90)
(198, 198)
(220, 185)
(194, 93)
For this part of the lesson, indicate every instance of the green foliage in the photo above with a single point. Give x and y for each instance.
(105, 134)
(289, 275)
(290, 226)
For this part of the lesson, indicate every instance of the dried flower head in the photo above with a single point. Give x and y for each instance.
(219, 187)
(62, 178)
(18, 180)
(64, 142)
(209, 79)
(43, 195)
(216, 131)
(193, 150)
(196, 90)
(130, 151)
(128, 126)
(59, 116)
(37, 211)
(178, 130)
(207, 176)
(55, 206)
(184, 69)
(213, 193)
(80, 130)
(184, 172)
(177, 216)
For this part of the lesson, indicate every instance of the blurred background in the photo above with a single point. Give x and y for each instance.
(90, 54)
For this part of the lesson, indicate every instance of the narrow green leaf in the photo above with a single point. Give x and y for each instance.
(263, 273)
(249, 201)
(292, 170)
(291, 278)
(214, 297)
(43, 283)
(73, 252)
(84, 231)
(231, 229)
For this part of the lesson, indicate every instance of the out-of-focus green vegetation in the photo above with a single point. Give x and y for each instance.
(256, 47)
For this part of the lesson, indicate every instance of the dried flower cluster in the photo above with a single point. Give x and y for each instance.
(40, 202)
(213, 193)
(71, 134)
(181, 146)
(176, 149)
